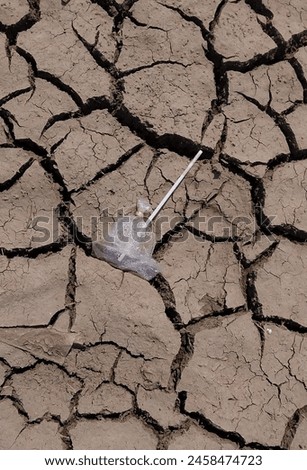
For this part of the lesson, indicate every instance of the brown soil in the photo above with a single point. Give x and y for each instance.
(103, 102)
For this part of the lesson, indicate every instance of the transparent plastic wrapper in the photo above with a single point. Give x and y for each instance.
(129, 244)
(130, 240)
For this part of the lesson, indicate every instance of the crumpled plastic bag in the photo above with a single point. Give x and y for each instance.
(129, 245)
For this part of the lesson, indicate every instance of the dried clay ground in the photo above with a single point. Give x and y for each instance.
(103, 102)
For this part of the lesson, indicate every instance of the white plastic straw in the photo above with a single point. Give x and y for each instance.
(168, 195)
(173, 188)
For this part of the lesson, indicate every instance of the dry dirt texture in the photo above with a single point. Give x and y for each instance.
(102, 102)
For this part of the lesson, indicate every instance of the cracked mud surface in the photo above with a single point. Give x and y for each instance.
(103, 102)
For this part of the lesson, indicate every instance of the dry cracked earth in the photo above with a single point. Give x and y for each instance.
(103, 102)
